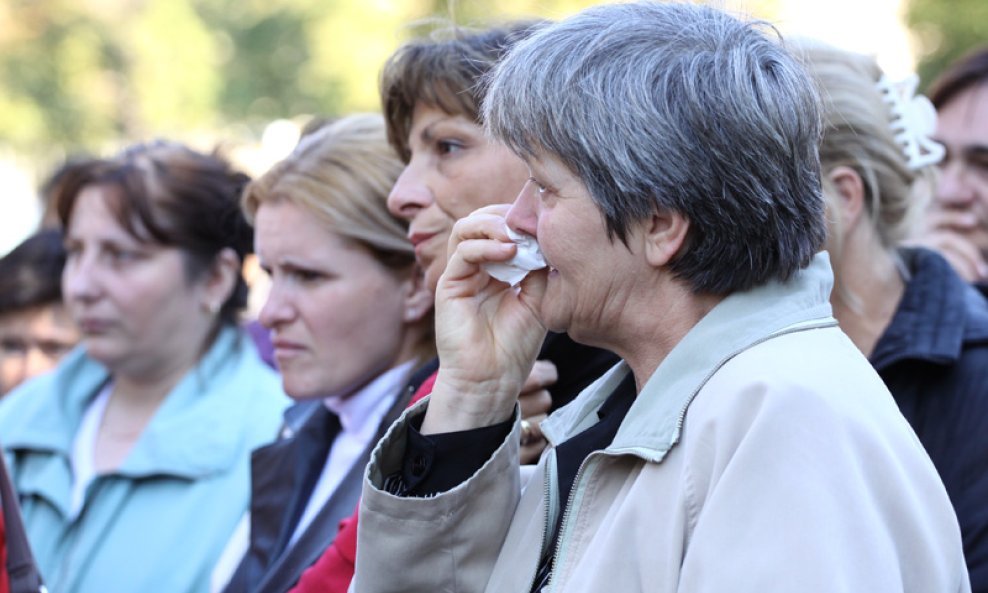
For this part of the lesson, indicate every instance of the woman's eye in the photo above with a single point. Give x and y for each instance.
(540, 188)
(306, 275)
(980, 163)
(120, 255)
(448, 146)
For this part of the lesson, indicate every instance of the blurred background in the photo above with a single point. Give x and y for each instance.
(88, 76)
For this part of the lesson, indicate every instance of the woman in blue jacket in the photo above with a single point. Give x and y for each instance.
(131, 459)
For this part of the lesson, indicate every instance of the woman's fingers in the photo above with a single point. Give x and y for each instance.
(534, 403)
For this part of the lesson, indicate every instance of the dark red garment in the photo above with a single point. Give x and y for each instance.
(4, 581)
(333, 571)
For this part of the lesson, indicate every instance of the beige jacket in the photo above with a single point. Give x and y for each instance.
(763, 455)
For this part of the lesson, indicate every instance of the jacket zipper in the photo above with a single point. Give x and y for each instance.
(546, 479)
(566, 515)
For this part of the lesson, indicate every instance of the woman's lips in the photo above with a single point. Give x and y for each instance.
(421, 242)
(417, 238)
(286, 348)
(93, 325)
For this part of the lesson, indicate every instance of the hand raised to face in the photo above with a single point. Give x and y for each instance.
(487, 333)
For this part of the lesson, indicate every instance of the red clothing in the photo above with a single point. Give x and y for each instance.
(4, 581)
(333, 571)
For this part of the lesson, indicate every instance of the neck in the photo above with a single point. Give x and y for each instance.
(149, 380)
(647, 338)
(867, 291)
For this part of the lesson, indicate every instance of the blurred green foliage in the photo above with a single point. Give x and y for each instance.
(77, 75)
(946, 29)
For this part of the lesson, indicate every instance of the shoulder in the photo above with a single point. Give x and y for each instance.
(798, 384)
(51, 402)
(235, 389)
(976, 307)
(234, 364)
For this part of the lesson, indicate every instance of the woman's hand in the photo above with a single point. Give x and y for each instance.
(487, 333)
(958, 237)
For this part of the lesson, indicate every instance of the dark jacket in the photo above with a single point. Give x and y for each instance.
(577, 365)
(283, 475)
(22, 571)
(934, 359)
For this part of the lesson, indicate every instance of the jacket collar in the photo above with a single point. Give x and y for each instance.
(194, 433)
(937, 314)
(654, 422)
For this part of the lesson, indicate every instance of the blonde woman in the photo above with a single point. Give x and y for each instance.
(921, 326)
(351, 321)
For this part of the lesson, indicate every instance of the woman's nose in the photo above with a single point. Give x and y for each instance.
(80, 280)
(276, 309)
(410, 193)
(523, 216)
(953, 187)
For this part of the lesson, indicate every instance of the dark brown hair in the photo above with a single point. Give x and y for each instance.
(446, 73)
(970, 70)
(174, 196)
(31, 274)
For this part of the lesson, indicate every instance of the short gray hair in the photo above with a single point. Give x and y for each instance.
(676, 107)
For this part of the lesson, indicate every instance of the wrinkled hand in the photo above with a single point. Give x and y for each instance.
(960, 237)
(487, 333)
(535, 402)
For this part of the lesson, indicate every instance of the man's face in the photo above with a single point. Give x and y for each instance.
(32, 342)
(961, 203)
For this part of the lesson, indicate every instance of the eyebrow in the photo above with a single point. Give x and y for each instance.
(427, 134)
(976, 151)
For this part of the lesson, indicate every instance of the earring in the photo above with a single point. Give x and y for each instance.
(213, 308)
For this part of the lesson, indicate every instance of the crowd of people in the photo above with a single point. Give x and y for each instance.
(752, 353)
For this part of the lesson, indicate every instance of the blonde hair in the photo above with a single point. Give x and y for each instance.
(857, 134)
(342, 174)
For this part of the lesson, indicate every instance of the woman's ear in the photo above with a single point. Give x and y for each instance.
(848, 195)
(665, 235)
(221, 279)
(419, 300)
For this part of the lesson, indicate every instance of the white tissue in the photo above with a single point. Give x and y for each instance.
(527, 258)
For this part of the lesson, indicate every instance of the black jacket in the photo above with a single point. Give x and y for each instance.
(283, 475)
(934, 359)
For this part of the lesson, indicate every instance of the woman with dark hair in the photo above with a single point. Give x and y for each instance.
(140, 440)
(956, 224)
(35, 329)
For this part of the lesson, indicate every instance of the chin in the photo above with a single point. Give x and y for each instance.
(300, 387)
(104, 354)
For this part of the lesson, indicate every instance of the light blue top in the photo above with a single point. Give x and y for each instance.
(160, 521)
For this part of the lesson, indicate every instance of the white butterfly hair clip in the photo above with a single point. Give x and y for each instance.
(914, 120)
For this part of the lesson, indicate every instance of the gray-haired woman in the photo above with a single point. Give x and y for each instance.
(744, 444)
